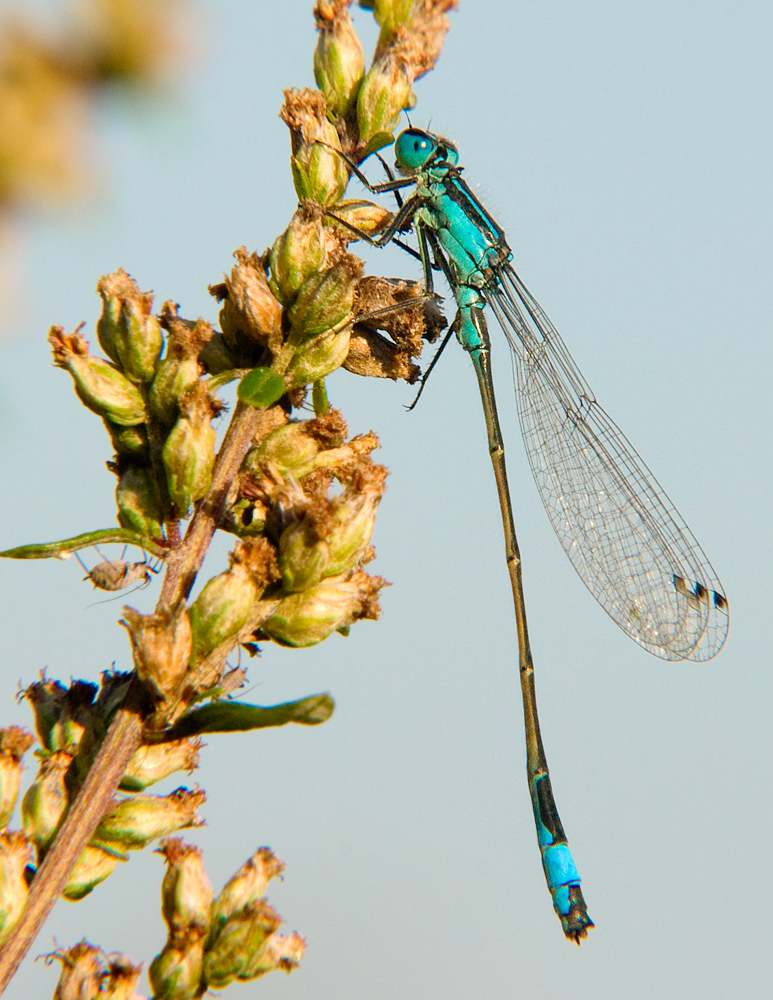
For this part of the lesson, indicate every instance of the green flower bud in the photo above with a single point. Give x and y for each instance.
(161, 647)
(45, 802)
(392, 14)
(296, 255)
(14, 743)
(246, 886)
(186, 892)
(289, 449)
(175, 974)
(333, 605)
(320, 175)
(385, 92)
(135, 821)
(15, 855)
(249, 309)
(222, 607)
(238, 943)
(325, 300)
(189, 451)
(339, 62)
(355, 516)
(111, 287)
(320, 357)
(304, 557)
(139, 502)
(156, 761)
(279, 952)
(92, 867)
(138, 338)
(129, 441)
(100, 386)
(179, 368)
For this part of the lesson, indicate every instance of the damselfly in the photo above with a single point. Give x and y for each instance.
(630, 546)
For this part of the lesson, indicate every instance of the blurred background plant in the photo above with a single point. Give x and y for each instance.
(55, 75)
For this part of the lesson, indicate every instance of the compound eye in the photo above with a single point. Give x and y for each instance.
(414, 149)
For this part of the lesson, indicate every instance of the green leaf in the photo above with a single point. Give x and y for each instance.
(236, 716)
(65, 548)
(261, 387)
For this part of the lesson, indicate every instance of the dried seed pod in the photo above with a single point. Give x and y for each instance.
(161, 647)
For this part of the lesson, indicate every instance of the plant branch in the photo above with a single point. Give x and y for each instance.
(125, 733)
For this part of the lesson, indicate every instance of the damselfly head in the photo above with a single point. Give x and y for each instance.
(417, 150)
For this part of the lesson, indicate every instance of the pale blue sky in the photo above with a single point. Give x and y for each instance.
(626, 149)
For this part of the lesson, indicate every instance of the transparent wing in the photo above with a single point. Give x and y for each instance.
(629, 544)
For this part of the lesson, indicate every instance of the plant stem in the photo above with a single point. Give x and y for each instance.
(125, 733)
(92, 802)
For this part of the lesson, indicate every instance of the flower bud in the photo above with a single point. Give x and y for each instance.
(363, 216)
(320, 357)
(385, 92)
(14, 743)
(289, 449)
(161, 647)
(186, 892)
(238, 942)
(138, 338)
(222, 607)
(47, 699)
(189, 451)
(68, 719)
(339, 62)
(15, 856)
(156, 761)
(92, 867)
(325, 300)
(139, 502)
(111, 287)
(249, 308)
(296, 255)
(82, 972)
(179, 368)
(100, 386)
(45, 802)
(333, 605)
(129, 441)
(320, 174)
(304, 556)
(279, 952)
(355, 517)
(175, 974)
(392, 14)
(246, 886)
(135, 821)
